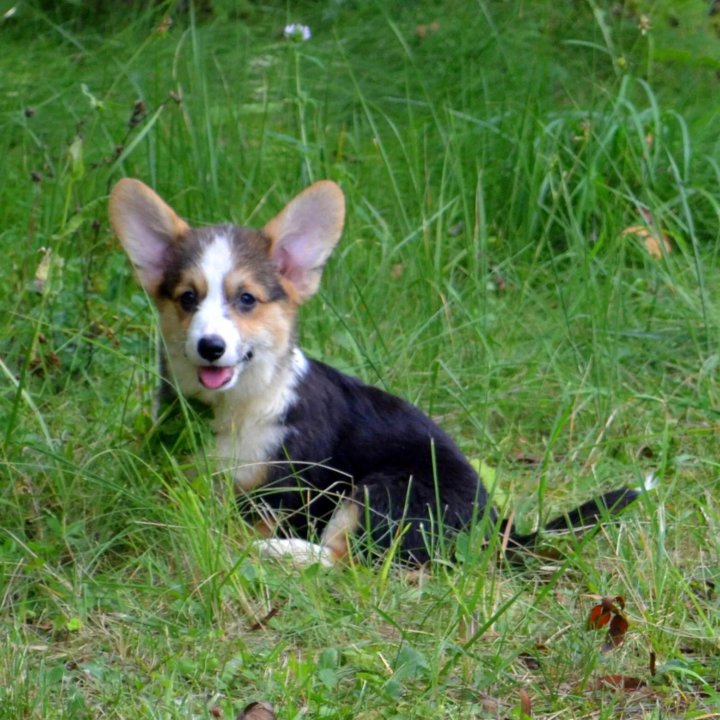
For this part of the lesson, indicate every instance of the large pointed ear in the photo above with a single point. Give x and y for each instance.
(304, 234)
(147, 227)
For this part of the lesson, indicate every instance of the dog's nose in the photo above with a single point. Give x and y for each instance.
(211, 347)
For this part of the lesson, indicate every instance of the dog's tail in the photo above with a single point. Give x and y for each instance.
(589, 515)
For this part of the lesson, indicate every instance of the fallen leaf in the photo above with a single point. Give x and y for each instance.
(655, 242)
(616, 633)
(609, 611)
(525, 703)
(600, 615)
(619, 682)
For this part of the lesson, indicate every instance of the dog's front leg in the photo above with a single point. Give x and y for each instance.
(334, 543)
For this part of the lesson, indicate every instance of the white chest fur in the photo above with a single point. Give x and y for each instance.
(249, 427)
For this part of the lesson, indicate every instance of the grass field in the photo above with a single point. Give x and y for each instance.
(513, 171)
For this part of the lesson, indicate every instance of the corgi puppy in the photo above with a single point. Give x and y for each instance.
(328, 456)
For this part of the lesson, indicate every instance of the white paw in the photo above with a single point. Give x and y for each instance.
(300, 552)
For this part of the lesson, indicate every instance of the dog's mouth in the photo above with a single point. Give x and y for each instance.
(213, 377)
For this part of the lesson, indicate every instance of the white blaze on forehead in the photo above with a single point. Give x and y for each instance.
(212, 316)
(215, 263)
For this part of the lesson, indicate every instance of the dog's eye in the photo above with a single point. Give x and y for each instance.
(246, 300)
(188, 301)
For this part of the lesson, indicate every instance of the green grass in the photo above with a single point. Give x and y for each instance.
(490, 169)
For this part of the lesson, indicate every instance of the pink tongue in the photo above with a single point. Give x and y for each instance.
(214, 377)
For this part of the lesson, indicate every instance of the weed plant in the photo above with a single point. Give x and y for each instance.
(509, 167)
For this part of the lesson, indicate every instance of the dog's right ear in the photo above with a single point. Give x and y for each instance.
(147, 227)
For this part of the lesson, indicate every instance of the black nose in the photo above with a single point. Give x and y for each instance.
(211, 347)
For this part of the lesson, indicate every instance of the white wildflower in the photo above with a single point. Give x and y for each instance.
(296, 31)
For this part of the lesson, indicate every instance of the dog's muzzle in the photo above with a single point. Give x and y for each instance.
(213, 377)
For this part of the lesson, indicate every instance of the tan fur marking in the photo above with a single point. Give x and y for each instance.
(344, 523)
(291, 291)
(334, 545)
(241, 280)
(192, 278)
(276, 320)
(265, 527)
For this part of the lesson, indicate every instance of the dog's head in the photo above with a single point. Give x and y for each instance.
(226, 295)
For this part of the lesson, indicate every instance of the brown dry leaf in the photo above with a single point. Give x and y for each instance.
(616, 633)
(656, 243)
(600, 615)
(619, 682)
(525, 703)
(609, 611)
(257, 711)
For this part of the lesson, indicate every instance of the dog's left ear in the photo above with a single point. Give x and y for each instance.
(304, 234)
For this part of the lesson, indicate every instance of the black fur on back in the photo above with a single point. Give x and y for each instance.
(349, 440)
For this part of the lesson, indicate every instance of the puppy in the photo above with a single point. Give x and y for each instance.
(328, 455)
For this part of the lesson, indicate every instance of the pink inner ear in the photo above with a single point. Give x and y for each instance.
(297, 255)
(147, 243)
(151, 263)
(304, 234)
(288, 266)
(148, 251)
(282, 261)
